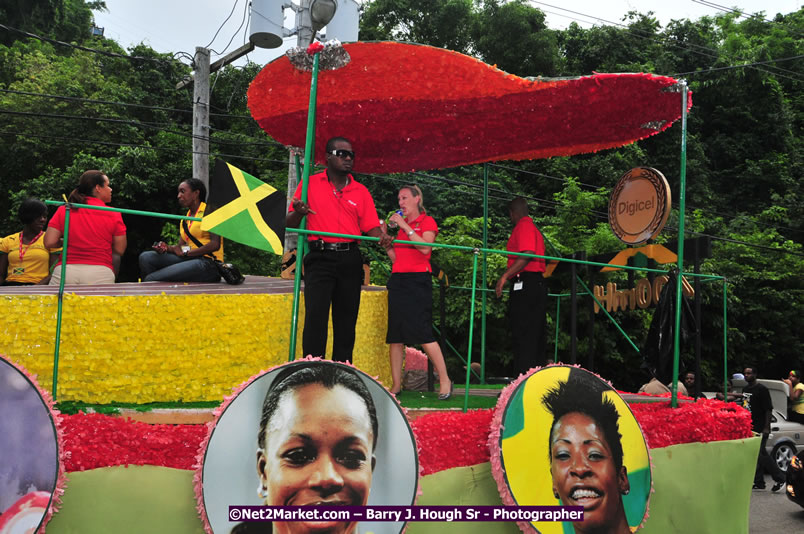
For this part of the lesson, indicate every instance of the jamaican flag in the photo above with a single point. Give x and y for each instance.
(244, 209)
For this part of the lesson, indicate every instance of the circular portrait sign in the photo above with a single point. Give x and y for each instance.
(567, 438)
(29, 453)
(311, 432)
(639, 205)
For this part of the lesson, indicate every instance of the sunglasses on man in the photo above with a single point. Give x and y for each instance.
(341, 153)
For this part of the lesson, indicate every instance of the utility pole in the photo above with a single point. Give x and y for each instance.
(200, 81)
(201, 116)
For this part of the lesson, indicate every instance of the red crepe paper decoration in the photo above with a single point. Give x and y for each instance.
(315, 47)
(452, 439)
(95, 440)
(414, 107)
(445, 439)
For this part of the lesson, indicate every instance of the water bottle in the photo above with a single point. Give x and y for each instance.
(391, 224)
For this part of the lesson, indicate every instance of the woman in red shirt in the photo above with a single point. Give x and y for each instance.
(97, 238)
(410, 289)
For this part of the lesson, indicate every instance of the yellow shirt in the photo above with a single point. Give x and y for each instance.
(196, 231)
(35, 262)
(798, 404)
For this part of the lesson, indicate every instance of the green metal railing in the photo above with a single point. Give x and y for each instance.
(476, 251)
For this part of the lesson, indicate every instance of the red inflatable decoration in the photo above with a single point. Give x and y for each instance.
(413, 107)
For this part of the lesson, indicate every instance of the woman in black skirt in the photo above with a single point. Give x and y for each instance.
(410, 290)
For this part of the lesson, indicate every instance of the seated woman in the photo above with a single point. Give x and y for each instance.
(410, 289)
(586, 454)
(97, 239)
(315, 445)
(190, 260)
(24, 258)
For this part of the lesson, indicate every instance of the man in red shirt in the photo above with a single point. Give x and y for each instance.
(528, 296)
(333, 267)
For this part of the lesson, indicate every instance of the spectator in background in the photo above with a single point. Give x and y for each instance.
(796, 411)
(527, 298)
(688, 380)
(24, 258)
(756, 398)
(732, 396)
(97, 238)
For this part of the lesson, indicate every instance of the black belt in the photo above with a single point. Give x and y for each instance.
(342, 246)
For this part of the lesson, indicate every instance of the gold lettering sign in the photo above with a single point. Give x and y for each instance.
(641, 296)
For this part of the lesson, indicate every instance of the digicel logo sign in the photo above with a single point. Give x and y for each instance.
(639, 205)
(632, 207)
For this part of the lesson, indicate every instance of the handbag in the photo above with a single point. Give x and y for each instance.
(229, 273)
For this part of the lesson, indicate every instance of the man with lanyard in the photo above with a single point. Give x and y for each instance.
(528, 296)
(333, 267)
(757, 400)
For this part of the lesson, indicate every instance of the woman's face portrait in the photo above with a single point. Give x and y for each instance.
(104, 192)
(583, 469)
(186, 195)
(407, 202)
(318, 451)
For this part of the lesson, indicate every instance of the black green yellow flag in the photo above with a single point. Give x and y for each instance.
(244, 209)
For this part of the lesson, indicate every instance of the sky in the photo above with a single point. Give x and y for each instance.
(182, 25)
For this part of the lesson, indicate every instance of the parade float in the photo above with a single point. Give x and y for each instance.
(392, 99)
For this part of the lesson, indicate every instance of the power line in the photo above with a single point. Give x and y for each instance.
(84, 48)
(744, 15)
(697, 49)
(245, 11)
(731, 67)
(74, 140)
(154, 126)
(94, 101)
(594, 213)
(550, 203)
(222, 25)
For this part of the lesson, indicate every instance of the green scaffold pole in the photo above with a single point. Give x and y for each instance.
(61, 299)
(682, 200)
(309, 147)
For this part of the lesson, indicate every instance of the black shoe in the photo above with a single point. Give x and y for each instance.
(759, 486)
(777, 486)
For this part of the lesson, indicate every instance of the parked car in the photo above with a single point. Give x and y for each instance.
(795, 480)
(787, 437)
(785, 440)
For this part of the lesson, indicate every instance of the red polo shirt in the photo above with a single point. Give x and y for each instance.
(348, 211)
(91, 233)
(408, 258)
(527, 237)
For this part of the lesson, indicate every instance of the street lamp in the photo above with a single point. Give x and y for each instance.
(321, 12)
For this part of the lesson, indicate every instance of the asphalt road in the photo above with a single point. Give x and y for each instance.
(774, 512)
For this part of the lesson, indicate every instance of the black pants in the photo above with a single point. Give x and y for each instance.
(331, 277)
(526, 314)
(766, 464)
